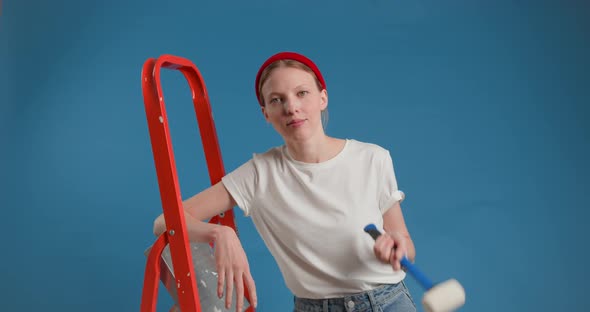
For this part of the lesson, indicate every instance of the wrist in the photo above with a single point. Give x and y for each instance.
(218, 231)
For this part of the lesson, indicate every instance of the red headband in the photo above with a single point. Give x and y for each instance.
(288, 56)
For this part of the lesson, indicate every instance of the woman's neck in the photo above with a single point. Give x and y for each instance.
(318, 150)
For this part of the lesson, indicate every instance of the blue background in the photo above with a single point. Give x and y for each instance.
(483, 105)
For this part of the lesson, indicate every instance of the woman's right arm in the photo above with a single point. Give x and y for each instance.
(202, 206)
(231, 261)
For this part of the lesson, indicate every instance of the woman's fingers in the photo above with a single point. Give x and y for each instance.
(383, 248)
(391, 249)
(220, 282)
(234, 270)
(229, 288)
(399, 250)
(251, 289)
(395, 261)
(239, 292)
(237, 280)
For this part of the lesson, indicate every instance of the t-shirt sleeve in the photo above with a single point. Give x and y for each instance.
(241, 184)
(390, 194)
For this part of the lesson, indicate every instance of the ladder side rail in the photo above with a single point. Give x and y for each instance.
(187, 291)
(210, 142)
(149, 295)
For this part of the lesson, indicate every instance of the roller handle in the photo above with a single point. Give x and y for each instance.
(411, 268)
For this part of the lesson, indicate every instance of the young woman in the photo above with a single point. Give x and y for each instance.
(310, 200)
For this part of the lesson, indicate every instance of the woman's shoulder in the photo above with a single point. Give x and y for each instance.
(366, 147)
(272, 154)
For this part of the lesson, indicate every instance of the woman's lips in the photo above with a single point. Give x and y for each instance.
(296, 122)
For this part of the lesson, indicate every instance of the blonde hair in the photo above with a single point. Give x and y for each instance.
(293, 64)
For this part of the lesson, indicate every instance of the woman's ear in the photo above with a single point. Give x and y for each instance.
(263, 110)
(324, 97)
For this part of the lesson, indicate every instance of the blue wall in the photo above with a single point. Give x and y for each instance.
(483, 104)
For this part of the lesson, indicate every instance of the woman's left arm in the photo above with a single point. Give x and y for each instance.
(398, 240)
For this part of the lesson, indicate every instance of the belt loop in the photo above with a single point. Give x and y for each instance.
(325, 304)
(372, 300)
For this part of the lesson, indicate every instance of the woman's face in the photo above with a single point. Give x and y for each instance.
(293, 103)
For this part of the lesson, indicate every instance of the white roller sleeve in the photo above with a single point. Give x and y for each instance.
(444, 297)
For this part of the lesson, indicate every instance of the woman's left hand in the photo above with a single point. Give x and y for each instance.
(391, 248)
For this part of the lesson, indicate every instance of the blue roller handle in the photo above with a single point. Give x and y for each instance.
(411, 268)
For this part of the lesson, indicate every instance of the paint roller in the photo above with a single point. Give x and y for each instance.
(441, 297)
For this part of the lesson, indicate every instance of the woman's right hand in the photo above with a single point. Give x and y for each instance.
(233, 268)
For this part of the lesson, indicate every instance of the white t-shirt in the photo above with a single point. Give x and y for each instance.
(312, 215)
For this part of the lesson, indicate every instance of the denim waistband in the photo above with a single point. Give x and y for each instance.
(367, 300)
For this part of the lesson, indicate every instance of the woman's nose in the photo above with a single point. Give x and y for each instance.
(291, 105)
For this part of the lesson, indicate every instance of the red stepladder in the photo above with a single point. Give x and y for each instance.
(176, 232)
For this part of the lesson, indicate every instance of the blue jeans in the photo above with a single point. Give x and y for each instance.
(385, 298)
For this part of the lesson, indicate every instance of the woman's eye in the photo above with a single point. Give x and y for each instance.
(302, 93)
(275, 100)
